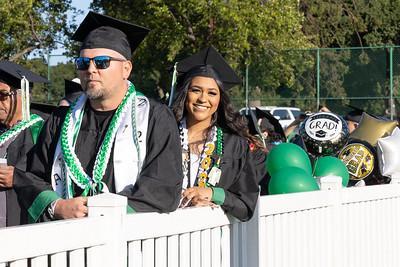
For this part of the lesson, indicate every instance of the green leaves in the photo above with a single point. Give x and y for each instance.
(244, 31)
(29, 25)
(345, 23)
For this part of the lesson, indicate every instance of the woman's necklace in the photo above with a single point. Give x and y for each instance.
(204, 177)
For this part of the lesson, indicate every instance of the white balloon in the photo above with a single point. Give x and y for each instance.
(389, 153)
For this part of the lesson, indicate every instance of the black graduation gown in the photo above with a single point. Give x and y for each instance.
(259, 161)
(159, 184)
(239, 178)
(16, 156)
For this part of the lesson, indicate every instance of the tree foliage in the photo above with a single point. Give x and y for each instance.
(244, 31)
(52, 92)
(28, 25)
(355, 23)
(346, 23)
(270, 38)
(33, 28)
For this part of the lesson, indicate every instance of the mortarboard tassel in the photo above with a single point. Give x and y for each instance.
(173, 85)
(25, 99)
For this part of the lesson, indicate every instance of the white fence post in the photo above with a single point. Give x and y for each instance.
(113, 207)
(334, 184)
(330, 182)
(251, 239)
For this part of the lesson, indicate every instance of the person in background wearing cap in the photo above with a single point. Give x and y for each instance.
(218, 164)
(72, 90)
(113, 139)
(18, 133)
(353, 118)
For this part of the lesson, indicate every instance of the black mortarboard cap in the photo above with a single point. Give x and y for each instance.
(270, 123)
(210, 62)
(354, 115)
(72, 87)
(72, 90)
(253, 126)
(12, 73)
(101, 31)
(43, 110)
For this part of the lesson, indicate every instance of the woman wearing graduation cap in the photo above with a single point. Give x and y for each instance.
(217, 162)
(18, 132)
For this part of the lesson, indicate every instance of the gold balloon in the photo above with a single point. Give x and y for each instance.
(358, 159)
(371, 129)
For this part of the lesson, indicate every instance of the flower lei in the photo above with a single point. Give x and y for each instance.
(19, 127)
(216, 138)
(72, 162)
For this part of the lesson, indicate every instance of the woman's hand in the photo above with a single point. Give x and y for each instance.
(197, 197)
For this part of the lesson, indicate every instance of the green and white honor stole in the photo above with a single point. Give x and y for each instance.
(18, 128)
(128, 128)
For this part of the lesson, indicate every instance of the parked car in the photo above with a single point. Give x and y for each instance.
(285, 115)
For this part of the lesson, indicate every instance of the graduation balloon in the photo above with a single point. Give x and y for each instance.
(292, 180)
(389, 153)
(331, 166)
(324, 134)
(287, 155)
(360, 160)
(370, 129)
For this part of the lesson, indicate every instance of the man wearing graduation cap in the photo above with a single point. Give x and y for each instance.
(113, 139)
(18, 133)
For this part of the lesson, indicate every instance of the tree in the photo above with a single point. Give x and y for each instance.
(52, 92)
(349, 23)
(244, 31)
(33, 28)
(30, 25)
(346, 23)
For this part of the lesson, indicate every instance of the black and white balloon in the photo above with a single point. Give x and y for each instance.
(324, 134)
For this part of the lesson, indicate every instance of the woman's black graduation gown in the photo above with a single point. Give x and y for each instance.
(239, 178)
(16, 156)
(159, 184)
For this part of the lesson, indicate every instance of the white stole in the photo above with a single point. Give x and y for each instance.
(127, 166)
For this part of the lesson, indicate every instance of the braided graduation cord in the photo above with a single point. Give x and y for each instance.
(72, 162)
(19, 127)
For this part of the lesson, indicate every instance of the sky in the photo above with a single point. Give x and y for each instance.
(79, 4)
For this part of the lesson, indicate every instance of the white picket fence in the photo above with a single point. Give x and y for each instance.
(351, 227)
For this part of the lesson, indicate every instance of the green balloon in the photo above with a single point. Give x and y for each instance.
(287, 155)
(292, 180)
(331, 166)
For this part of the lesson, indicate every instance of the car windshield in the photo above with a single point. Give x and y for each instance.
(296, 113)
(282, 113)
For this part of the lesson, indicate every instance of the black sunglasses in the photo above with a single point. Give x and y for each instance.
(6, 94)
(101, 62)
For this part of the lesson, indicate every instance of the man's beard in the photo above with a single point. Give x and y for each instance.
(95, 94)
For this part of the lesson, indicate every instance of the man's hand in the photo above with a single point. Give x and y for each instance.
(71, 208)
(6, 176)
(197, 196)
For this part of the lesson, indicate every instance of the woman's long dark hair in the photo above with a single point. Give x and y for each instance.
(225, 117)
